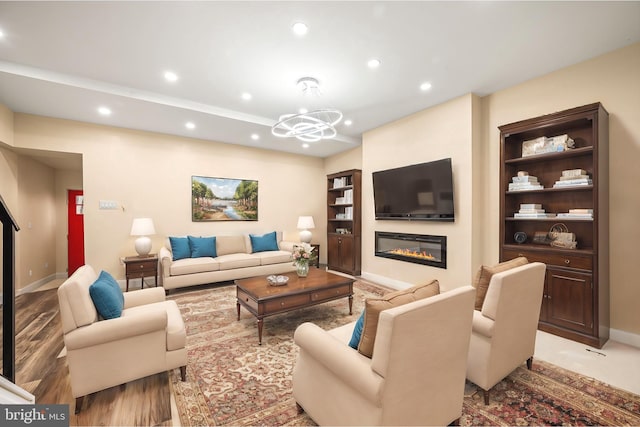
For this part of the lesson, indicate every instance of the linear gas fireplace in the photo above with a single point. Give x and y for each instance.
(416, 248)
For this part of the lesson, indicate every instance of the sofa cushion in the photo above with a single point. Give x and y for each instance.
(107, 296)
(231, 245)
(483, 277)
(373, 307)
(202, 246)
(274, 257)
(180, 248)
(263, 243)
(176, 332)
(193, 265)
(357, 332)
(237, 260)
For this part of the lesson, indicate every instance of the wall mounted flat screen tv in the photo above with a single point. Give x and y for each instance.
(417, 192)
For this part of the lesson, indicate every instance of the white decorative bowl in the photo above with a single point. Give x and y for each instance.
(277, 280)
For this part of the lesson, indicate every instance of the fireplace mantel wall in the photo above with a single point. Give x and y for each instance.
(448, 130)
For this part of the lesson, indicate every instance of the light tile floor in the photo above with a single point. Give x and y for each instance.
(615, 363)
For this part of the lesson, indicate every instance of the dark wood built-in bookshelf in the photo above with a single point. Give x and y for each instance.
(576, 296)
(344, 203)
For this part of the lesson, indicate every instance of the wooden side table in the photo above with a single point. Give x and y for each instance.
(317, 252)
(139, 267)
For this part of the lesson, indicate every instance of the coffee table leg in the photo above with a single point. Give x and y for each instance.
(238, 304)
(350, 304)
(260, 323)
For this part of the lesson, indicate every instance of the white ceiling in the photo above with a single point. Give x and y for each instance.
(65, 59)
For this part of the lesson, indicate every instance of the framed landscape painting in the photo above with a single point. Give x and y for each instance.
(223, 199)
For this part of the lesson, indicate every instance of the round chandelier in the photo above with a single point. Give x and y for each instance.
(309, 126)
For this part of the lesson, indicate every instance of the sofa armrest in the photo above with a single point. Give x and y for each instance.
(482, 325)
(287, 246)
(346, 363)
(105, 331)
(143, 297)
(166, 259)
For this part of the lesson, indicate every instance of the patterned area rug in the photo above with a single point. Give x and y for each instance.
(231, 380)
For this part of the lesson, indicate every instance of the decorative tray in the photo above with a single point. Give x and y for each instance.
(277, 280)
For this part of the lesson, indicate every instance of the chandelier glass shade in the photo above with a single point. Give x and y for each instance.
(308, 126)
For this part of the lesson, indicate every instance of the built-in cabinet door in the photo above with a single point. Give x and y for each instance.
(333, 251)
(569, 299)
(341, 253)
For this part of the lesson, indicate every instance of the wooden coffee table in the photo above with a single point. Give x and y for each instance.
(262, 300)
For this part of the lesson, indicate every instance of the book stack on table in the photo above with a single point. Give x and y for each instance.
(573, 177)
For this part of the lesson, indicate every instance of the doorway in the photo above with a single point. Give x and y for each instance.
(75, 236)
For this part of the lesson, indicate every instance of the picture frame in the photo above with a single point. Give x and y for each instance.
(223, 199)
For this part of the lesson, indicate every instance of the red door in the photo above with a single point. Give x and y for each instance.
(75, 238)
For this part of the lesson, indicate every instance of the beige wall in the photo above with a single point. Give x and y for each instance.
(150, 175)
(6, 125)
(35, 248)
(439, 132)
(614, 80)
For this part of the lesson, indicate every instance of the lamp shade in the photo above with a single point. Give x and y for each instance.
(142, 227)
(304, 224)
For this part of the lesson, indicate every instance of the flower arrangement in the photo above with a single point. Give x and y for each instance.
(303, 254)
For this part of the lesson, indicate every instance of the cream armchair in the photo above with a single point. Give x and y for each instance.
(415, 376)
(148, 338)
(504, 331)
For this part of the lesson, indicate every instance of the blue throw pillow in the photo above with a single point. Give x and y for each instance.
(202, 246)
(107, 296)
(266, 242)
(357, 332)
(180, 248)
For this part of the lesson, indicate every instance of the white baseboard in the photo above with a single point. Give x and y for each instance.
(35, 285)
(395, 284)
(625, 337)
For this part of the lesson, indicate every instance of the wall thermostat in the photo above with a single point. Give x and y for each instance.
(520, 237)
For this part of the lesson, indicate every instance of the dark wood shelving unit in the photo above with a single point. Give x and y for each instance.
(576, 298)
(344, 221)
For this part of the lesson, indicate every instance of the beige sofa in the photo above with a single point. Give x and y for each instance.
(416, 375)
(148, 338)
(235, 260)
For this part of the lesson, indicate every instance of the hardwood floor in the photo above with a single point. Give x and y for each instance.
(40, 370)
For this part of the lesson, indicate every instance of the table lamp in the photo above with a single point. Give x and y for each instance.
(143, 227)
(304, 224)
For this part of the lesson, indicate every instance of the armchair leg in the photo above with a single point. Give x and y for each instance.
(529, 362)
(299, 408)
(183, 373)
(78, 404)
(486, 396)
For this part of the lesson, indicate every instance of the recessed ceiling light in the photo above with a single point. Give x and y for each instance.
(303, 111)
(348, 122)
(170, 76)
(305, 145)
(1, 34)
(246, 96)
(300, 28)
(104, 111)
(190, 125)
(255, 136)
(373, 63)
(425, 86)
